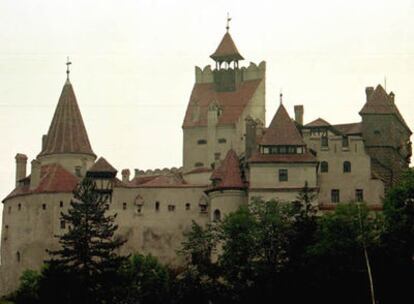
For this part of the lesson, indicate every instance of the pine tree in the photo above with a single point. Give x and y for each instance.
(88, 249)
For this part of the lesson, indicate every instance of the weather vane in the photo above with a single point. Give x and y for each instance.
(68, 63)
(228, 22)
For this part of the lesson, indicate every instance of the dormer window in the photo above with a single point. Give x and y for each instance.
(283, 149)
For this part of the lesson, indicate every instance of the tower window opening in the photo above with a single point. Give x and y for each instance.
(62, 224)
(124, 206)
(19, 207)
(187, 206)
(345, 141)
(222, 140)
(201, 142)
(324, 166)
(217, 215)
(61, 204)
(283, 175)
(157, 206)
(171, 208)
(347, 167)
(324, 141)
(18, 256)
(44, 206)
(9, 210)
(359, 195)
(335, 198)
(198, 165)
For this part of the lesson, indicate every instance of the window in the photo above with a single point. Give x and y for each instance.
(203, 208)
(18, 257)
(217, 156)
(201, 142)
(62, 224)
(222, 140)
(171, 208)
(187, 206)
(359, 195)
(335, 196)
(61, 204)
(44, 206)
(324, 141)
(19, 207)
(78, 171)
(324, 166)
(345, 141)
(139, 209)
(198, 165)
(216, 215)
(283, 175)
(124, 206)
(9, 210)
(157, 206)
(347, 167)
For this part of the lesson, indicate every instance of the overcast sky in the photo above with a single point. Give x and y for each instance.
(133, 66)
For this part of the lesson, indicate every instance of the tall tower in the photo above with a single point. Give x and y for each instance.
(386, 135)
(67, 141)
(220, 102)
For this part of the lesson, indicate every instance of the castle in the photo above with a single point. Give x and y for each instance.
(229, 157)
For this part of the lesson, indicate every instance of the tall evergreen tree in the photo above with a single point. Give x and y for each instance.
(88, 249)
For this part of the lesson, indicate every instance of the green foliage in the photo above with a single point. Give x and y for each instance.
(147, 281)
(28, 291)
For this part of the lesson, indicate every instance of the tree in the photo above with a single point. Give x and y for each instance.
(87, 256)
(339, 253)
(28, 291)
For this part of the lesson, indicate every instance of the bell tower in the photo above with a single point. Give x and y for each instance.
(227, 75)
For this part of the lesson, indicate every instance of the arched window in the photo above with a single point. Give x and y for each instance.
(187, 206)
(347, 166)
(216, 215)
(324, 166)
(18, 257)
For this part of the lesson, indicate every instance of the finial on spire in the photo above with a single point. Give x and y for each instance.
(385, 83)
(281, 97)
(228, 22)
(68, 63)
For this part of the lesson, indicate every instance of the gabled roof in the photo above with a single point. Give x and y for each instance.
(228, 175)
(282, 131)
(53, 179)
(318, 123)
(379, 102)
(227, 50)
(67, 132)
(102, 165)
(232, 104)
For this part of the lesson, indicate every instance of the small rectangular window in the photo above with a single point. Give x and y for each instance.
(283, 175)
(124, 206)
(222, 140)
(359, 195)
(62, 224)
(266, 150)
(19, 207)
(217, 156)
(345, 141)
(201, 142)
(171, 208)
(61, 204)
(44, 206)
(324, 141)
(335, 196)
(157, 206)
(187, 206)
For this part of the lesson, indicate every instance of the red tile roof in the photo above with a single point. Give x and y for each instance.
(67, 133)
(228, 175)
(102, 165)
(53, 179)
(379, 102)
(282, 131)
(166, 180)
(199, 170)
(282, 158)
(318, 123)
(232, 104)
(227, 50)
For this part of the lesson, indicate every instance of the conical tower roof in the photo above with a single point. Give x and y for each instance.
(228, 174)
(227, 50)
(282, 131)
(67, 132)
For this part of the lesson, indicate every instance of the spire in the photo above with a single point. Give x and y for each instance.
(282, 131)
(67, 133)
(227, 50)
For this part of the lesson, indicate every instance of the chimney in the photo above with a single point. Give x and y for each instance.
(35, 176)
(392, 97)
(21, 162)
(250, 142)
(125, 175)
(299, 114)
(44, 138)
(369, 91)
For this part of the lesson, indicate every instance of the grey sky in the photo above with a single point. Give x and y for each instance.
(133, 66)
